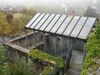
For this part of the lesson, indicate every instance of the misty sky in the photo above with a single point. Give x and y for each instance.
(43, 2)
(52, 5)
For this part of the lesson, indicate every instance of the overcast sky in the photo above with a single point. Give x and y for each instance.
(35, 2)
(50, 5)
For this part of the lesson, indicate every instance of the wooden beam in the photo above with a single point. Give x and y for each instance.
(16, 47)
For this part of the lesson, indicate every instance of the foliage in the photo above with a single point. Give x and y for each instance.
(5, 69)
(3, 58)
(93, 47)
(18, 68)
(57, 62)
(18, 23)
(37, 54)
(48, 70)
(16, 26)
(22, 68)
(5, 27)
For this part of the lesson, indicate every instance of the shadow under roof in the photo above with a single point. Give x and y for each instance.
(68, 26)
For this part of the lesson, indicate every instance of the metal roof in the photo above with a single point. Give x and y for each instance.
(72, 26)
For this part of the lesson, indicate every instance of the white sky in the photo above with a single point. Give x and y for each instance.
(34, 2)
(46, 3)
(51, 4)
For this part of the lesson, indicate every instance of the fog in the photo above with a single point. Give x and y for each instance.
(76, 7)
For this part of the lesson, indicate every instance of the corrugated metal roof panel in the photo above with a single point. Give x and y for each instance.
(52, 23)
(42, 21)
(71, 26)
(87, 28)
(47, 22)
(79, 26)
(58, 23)
(33, 20)
(64, 25)
(37, 20)
(68, 26)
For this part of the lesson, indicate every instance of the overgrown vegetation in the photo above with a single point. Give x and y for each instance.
(5, 27)
(93, 47)
(18, 68)
(3, 58)
(49, 71)
(37, 54)
(22, 68)
(12, 24)
(29, 68)
(57, 62)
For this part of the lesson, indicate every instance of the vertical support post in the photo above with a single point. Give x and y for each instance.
(34, 39)
(69, 55)
(44, 40)
(74, 44)
(84, 51)
(3, 38)
(26, 38)
(47, 43)
(56, 45)
(64, 45)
